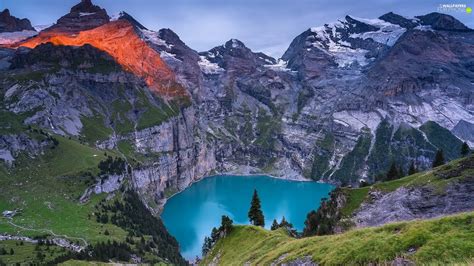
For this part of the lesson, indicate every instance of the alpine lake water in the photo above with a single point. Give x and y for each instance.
(190, 215)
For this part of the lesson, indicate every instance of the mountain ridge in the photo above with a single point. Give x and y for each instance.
(347, 100)
(232, 61)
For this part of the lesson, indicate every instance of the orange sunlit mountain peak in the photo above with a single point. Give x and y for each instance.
(119, 39)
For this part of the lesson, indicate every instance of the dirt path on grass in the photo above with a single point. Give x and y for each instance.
(67, 243)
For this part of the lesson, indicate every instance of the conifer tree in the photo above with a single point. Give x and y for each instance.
(214, 235)
(226, 224)
(412, 170)
(255, 212)
(206, 246)
(311, 224)
(400, 172)
(275, 225)
(392, 173)
(284, 223)
(465, 149)
(439, 159)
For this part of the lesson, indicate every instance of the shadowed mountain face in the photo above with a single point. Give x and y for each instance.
(83, 16)
(345, 101)
(9, 23)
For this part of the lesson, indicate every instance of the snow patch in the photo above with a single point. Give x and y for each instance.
(388, 33)
(117, 16)
(14, 37)
(344, 55)
(424, 28)
(328, 38)
(235, 43)
(208, 67)
(40, 28)
(165, 55)
(152, 36)
(280, 65)
(83, 14)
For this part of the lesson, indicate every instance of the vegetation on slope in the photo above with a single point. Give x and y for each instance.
(46, 191)
(440, 241)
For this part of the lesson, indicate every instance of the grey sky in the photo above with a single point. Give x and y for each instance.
(263, 25)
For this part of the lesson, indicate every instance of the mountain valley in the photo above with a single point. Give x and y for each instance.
(102, 117)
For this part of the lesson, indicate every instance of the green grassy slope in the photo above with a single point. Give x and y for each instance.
(439, 241)
(47, 190)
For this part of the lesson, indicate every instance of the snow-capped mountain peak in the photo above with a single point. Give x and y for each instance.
(349, 40)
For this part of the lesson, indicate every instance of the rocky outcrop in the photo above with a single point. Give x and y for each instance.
(83, 16)
(107, 184)
(443, 22)
(465, 130)
(421, 202)
(9, 23)
(11, 145)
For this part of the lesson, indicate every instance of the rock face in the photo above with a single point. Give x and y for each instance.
(83, 16)
(465, 130)
(120, 40)
(420, 202)
(416, 203)
(345, 101)
(185, 157)
(12, 145)
(9, 23)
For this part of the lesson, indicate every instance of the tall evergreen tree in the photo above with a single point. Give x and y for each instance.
(439, 159)
(226, 225)
(400, 172)
(275, 225)
(412, 170)
(465, 149)
(255, 212)
(214, 235)
(206, 246)
(392, 173)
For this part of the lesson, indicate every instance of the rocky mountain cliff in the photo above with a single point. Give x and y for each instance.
(345, 101)
(13, 29)
(9, 23)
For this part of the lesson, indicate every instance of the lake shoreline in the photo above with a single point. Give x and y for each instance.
(239, 173)
(229, 194)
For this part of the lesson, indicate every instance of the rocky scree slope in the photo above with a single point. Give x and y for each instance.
(342, 97)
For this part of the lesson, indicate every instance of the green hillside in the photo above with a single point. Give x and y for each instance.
(448, 240)
(46, 191)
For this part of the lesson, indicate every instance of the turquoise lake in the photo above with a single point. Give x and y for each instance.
(190, 215)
